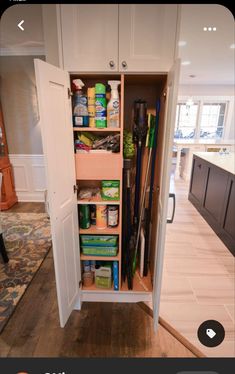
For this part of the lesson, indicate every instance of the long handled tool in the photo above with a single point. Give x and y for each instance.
(149, 209)
(126, 227)
(139, 134)
(150, 146)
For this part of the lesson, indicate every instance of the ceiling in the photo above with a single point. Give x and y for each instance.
(209, 53)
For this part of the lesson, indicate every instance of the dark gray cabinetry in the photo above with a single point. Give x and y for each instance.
(212, 192)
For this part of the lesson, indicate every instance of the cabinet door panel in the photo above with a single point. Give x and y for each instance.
(171, 101)
(198, 179)
(89, 37)
(215, 193)
(147, 36)
(57, 140)
(229, 219)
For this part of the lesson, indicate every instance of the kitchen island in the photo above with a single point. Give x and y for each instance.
(212, 192)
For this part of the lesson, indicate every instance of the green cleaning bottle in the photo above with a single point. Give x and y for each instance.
(100, 106)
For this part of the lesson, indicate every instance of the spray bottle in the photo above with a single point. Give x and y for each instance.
(80, 112)
(113, 105)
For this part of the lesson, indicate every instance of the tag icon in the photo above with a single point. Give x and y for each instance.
(211, 333)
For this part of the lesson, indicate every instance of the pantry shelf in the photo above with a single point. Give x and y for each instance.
(94, 230)
(139, 285)
(95, 201)
(99, 258)
(95, 129)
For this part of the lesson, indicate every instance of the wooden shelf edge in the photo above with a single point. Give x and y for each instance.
(95, 129)
(106, 231)
(99, 202)
(99, 258)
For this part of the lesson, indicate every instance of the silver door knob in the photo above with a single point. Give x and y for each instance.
(111, 64)
(124, 64)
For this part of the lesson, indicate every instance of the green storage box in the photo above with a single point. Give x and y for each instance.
(99, 240)
(110, 190)
(103, 277)
(99, 251)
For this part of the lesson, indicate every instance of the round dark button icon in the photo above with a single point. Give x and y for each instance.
(211, 333)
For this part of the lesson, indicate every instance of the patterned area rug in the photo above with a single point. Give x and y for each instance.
(27, 239)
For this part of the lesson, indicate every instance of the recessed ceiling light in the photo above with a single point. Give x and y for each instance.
(185, 63)
(232, 46)
(210, 28)
(192, 76)
(182, 43)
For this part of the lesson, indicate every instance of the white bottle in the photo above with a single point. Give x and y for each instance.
(113, 105)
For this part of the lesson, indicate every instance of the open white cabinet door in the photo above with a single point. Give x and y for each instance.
(57, 139)
(171, 102)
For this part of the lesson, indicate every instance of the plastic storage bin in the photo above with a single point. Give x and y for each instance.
(103, 277)
(99, 240)
(99, 251)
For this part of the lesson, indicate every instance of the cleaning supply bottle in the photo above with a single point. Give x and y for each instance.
(80, 111)
(91, 105)
(113, 105)
(100, 106)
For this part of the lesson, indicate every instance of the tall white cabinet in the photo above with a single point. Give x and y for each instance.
(89, 37)
(147, 34)
(62, 168)
(124, 37)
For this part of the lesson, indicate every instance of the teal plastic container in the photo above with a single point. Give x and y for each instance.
(99, 251)
(100, 106)
(99, 240)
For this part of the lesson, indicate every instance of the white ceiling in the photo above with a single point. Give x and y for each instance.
(212, 59)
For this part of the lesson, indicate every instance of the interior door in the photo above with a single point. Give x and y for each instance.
(147, 34)
(171, 102)
(57, 138)
(90, 37)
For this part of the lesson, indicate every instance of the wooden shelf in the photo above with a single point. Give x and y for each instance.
(94, 230)
(94, 288)
(96, 201)
(139, 285)
(95, 129)
(99, 258)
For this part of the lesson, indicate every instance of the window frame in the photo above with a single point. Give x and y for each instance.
(201, 100)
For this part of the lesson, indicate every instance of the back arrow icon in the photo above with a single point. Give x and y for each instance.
(21, 23)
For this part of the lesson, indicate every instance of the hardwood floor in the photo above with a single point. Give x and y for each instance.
(198, 277)
(98, 330)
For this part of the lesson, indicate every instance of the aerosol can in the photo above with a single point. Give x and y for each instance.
(113, 105)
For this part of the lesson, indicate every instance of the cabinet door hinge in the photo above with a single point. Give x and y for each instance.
(75, 188)
(70, 94)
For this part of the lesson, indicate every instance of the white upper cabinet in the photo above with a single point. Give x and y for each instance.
(90, 37)
(112, 37)
(147, 37)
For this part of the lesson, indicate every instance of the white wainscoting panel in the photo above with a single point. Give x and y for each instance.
(29, 176)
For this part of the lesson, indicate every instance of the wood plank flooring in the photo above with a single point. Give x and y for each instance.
(198, 277)
(98, 330)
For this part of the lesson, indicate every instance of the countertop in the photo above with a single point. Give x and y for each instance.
(204, 142)
(224, 161)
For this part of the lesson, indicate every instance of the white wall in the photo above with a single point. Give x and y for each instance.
(206, 90)
(29, 176)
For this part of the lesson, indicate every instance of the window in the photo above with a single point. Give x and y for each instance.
(212, 121)
(186, 121)
(202, 118)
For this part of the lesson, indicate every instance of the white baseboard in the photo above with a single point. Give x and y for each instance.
(29, 177)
